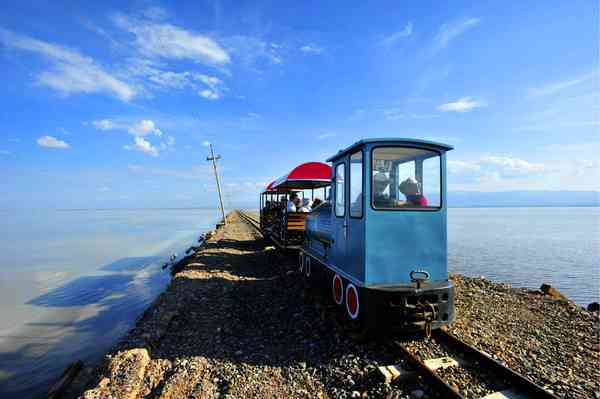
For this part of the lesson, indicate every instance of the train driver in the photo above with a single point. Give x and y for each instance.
(381, 191)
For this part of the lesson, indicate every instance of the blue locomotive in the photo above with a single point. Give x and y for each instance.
(379, 241)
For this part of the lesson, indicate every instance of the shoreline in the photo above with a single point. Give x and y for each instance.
(173, 349)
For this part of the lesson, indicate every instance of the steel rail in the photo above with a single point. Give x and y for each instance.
(514, 379)
(520, 382)
(249, 220)
(445, 390)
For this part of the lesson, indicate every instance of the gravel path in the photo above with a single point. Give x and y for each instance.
(237, 321)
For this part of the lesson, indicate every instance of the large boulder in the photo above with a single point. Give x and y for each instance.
(552, 292)
(593, 307)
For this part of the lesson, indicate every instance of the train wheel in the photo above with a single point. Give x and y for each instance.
(301, 261)
(337, 289)
(307, 266)
(352, 302)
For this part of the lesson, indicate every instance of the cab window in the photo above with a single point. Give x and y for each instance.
(406, 178)
(356, 185)
(340, 208)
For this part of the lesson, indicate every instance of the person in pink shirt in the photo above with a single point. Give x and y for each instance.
(411, 189)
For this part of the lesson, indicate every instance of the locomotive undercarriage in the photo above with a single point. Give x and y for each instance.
(423, 306)
(407, 308)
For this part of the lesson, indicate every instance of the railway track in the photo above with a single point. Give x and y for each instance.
(454, 368)
(251, 220)
(459, 370)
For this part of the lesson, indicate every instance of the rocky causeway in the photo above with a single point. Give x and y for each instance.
(238, 321)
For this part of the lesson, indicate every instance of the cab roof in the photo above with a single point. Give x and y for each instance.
(397, 140)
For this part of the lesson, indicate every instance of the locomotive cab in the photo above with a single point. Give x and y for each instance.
(382, 240)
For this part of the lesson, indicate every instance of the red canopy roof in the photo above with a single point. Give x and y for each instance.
(305, 176)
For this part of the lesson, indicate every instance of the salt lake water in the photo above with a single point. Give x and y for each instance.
(529, 246)
(73, 282)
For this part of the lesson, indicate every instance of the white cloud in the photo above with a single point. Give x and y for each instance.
(512, 166)
(464, 104)
(499, 173)
(145, 127)
(142, 145)
(498, 167)
(209, 94)
(459, 167)
(251, 50)
(555, 87)
(324, 136)
(396, 36)
(161, 79)
(311, 49)
(71, 72)
(103, 124)
(172, 42)
(449, 32)
(52, 142)
(103, 189)
(213, 92)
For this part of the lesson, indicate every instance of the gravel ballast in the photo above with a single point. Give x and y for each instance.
(238, 321)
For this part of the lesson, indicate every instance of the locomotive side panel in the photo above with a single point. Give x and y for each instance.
(398, 243)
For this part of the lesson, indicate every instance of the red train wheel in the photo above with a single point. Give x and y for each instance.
(337, 289)
(352, 302)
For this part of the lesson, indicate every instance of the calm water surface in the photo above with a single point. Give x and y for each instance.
(73, 282)
(529, 246)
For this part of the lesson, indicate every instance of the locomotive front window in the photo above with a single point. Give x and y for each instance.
(406, 178)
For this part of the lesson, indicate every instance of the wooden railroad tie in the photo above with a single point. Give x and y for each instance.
(394, 373)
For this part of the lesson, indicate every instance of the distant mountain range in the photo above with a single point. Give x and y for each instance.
(472, 199)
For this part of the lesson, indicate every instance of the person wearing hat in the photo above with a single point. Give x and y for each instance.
(412, 190)
(381, 199)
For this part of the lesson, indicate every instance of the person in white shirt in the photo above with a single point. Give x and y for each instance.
(291, 204)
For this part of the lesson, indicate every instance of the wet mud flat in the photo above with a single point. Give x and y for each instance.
(239, 321)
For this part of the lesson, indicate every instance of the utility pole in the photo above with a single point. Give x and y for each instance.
(214, 159)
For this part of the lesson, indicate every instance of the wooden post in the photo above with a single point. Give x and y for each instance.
(214, 159)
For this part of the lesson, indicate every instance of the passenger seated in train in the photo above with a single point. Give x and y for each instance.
(409, 187)
(306, 206)
(298, 203)
(412, 190)
(292, 204)
(316, 202)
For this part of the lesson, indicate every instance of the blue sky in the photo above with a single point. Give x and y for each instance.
(105, 105)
